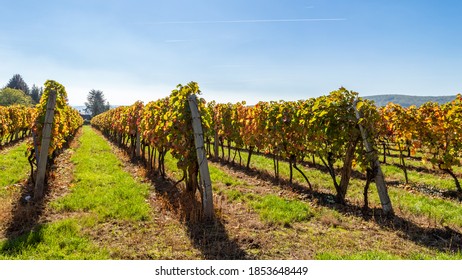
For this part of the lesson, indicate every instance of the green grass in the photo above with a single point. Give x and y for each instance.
(392, 172)
(440, 181)
(315, 176)
(443, 211)
(101, 186)
(275, 210)
(440, 210)
(367, 255)
(437, 256)
(380, 255)
(58, 240)
(101, 191)
(437, 209)
(13, 165)
(414, 162)
(271, 209)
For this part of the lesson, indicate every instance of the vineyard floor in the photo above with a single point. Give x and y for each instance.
(333, 231)
(423, 202)
(14, 169)
(102, 206)
(94, 209)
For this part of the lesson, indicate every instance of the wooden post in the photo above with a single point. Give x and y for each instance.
(205, 181)
(375, 163)
(46, 139)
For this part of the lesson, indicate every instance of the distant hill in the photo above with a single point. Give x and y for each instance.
(407, 100)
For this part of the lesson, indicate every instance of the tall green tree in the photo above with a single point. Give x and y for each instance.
(36, 93)
(9, 96)
(17, 82)
(96, 103)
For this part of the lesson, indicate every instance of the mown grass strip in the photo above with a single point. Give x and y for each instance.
(392, 172)
(276, 210)
(368, 255)
(381, 255)
(101, 189)
(415, 161)
(101, 186)
(13, 166)
(441, 210)
(440, 181)
(271, 208)
(56, 241)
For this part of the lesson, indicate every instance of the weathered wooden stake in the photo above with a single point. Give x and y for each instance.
(379, 177)
(207, 199)
(46, 139)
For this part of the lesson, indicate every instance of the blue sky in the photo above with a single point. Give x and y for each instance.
(236, 50)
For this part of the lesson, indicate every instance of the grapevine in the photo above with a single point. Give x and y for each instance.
(164, 126)
(325, 126)
(65, 123)
(15, 122)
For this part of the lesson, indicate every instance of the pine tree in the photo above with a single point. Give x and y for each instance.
(96, 104)
(17, 82)
(36, 93)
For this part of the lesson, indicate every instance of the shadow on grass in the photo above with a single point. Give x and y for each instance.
(306, 163)
(443, 239)
(23, 229)
(429, 190)
(210, 237)
(26, 212)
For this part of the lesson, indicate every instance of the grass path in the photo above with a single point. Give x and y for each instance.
(103, 213)
(14, 168)
(439, 210)
(267, 214)
(329, 233)
(13, 165)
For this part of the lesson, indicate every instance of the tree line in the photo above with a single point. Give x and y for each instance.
(17, 92)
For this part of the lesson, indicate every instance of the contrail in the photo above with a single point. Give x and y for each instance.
(248, 21)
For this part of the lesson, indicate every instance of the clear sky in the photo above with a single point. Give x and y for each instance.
(235, 49)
